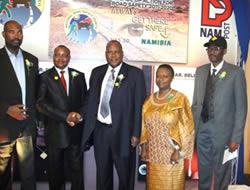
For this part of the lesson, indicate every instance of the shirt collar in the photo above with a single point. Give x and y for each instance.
(218, 67)
(117, 68)
(59, 70)
(10, 54)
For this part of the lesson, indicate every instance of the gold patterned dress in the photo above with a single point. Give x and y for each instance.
(161, 122)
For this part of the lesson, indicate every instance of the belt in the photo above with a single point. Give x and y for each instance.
(103, 124)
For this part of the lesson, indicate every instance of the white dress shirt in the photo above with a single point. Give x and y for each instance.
(108, 119)
(218, 67)
(19, 67)
(66, 76)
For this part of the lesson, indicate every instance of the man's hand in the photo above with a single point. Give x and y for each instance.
(134, 141)
(73, 118)
(233, 146)
(18, 112)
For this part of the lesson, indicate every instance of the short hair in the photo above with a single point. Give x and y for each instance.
(63, 46)
(115, 42)
(168, 67)
(8, 22)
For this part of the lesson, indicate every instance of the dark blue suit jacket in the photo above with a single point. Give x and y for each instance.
(126, 106)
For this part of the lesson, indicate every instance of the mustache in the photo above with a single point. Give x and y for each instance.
(16, 40)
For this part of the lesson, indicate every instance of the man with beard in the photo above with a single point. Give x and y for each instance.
(219, 109)
(18, 74)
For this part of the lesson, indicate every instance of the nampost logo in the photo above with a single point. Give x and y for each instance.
(215, 12)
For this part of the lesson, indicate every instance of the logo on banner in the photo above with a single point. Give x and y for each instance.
(80, 27)
(26, 12)
(214, 16)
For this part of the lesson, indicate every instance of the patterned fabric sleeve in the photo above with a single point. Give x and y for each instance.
(143, 137)
(187, 130)
(183, 133)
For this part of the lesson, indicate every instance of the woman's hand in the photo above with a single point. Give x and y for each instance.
(143, 152)
(175, 157)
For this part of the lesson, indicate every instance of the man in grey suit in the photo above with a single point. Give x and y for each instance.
(219, 109)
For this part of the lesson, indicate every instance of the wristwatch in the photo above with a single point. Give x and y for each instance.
(176, 147)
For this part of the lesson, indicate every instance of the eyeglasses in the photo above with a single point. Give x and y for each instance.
(214, 48)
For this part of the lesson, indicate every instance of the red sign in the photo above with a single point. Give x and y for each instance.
(207, 20)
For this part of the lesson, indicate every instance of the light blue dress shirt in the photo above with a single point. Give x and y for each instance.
(19, 67)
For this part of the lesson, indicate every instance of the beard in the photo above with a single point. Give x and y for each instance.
(14, 44)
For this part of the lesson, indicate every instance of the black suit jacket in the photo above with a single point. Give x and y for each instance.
(125, 103)
(10, 128)
(55, 104)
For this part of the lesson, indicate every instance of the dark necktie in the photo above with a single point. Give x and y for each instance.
(214, 72)
(105, 108)
(63, 81)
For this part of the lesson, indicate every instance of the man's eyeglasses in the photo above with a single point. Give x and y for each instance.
(214, 48)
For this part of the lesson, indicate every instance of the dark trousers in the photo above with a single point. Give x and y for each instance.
(25, 155)
(74, 158)
(210, 157)
(106, 158)
(6, 178)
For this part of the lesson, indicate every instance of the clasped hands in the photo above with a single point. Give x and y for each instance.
(18, 112)
(73, 118)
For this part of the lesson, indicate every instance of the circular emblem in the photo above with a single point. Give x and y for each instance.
(80, 27)
(25, 12)
(143, 169)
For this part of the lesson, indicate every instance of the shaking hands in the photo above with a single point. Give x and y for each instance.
(73, 118)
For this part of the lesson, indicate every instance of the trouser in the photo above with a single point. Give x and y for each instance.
(210, 155)
(23, 146)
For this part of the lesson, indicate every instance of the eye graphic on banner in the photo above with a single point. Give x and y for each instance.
(80, 27)
(141, 26)
(26, 12)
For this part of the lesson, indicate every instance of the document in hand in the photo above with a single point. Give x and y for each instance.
(229, 155)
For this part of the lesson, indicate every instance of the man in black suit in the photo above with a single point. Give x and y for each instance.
(116, 94)
(62, 92)
(18, 74)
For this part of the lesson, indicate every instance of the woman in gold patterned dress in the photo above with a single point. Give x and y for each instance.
(167, 136)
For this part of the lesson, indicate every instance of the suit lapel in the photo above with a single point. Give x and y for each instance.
(124, 71)
(204, 80)
(100, 78)
(70, 82)
(26, 70)
(222, 74)
(9, 69)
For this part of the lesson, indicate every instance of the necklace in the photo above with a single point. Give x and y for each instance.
(164, 96)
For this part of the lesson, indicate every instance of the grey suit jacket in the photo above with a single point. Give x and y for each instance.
(230, 102)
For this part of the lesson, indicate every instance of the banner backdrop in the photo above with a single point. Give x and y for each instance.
(151, 31)
(141, 26)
